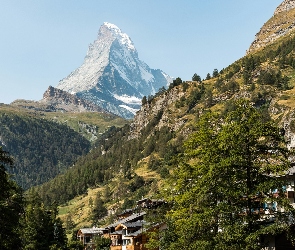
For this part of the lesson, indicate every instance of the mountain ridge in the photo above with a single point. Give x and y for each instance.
(280, 24)
(59, 100)
(286, 5)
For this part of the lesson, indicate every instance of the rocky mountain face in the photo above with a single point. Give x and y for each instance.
(279, 25)
(112, 75)
(162, 107)
(285, 6)
(59, 100)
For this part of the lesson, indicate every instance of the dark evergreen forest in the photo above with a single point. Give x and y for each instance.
(41, 149)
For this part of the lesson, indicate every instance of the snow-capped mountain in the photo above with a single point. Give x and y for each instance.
(112, 76)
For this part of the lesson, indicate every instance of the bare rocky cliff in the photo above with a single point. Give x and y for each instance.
(57, 99)
(279, 25)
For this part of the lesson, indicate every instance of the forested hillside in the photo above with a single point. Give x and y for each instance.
(115, 156)
(41, 149)
(45, 144)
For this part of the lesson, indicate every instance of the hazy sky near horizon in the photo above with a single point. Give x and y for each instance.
(43, 41)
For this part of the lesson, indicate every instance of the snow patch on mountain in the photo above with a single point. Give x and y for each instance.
(128, 99)
(132, 110)
(147, 76)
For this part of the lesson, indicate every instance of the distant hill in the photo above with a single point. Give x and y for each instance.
(45, 144)
(42, 149)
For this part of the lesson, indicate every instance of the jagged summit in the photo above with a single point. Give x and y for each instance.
(112, 76)
(280, 24)
(123, 37)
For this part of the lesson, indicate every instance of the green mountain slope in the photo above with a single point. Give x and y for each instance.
(46, 144)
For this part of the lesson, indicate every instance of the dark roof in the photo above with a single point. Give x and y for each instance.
(140, 231)
(93, 230)
(127, 219)
(117, 232)
(143, 200)
(133, 224)
(136, 233)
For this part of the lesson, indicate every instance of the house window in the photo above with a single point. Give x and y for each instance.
(87, 239)
(290, 194)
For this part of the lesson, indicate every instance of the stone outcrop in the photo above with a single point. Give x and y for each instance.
(285, 6)
(57, 99)
(280, 24)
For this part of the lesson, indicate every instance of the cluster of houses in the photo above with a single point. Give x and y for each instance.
(127, 233)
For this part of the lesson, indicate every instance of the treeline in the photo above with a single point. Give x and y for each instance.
(278, 56)
(41, 149)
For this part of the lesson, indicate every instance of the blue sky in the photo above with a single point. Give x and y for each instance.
(42, 41)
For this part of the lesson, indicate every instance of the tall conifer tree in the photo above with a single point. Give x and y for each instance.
(229, 175)
(11, 206)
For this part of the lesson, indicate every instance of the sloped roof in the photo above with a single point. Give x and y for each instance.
(136, 233)
(93, 230)
(131, 224)
(134, 224)
(117, 232)
(141, 231)
(127, 219)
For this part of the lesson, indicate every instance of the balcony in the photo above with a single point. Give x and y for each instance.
(116, 247)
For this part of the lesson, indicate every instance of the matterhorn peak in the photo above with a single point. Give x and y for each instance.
(112, 76)
(111, 26)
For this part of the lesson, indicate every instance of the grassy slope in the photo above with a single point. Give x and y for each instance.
(79, 207)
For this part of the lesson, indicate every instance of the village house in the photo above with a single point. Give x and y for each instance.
(127, 233)
(86, 236)
(117, 230)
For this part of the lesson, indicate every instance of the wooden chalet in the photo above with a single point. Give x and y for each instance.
(116, 230)
(132, 235)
